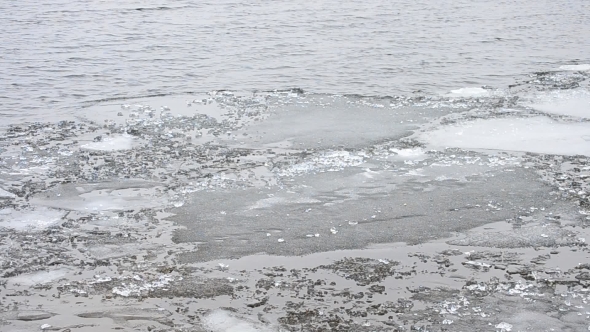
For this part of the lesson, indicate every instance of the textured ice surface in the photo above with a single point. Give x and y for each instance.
(222, 321)
(536, 134)
(329, 161)
(33, 220)
(576, 67)
(134, 289)
(574, 103)
(122, 142)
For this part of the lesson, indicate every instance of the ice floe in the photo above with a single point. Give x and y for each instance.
(326, 162)
(41, 277)
(6, 194)
(581, 67)
(469, 92)
(222, 321)
(573, 103)
(123, 142)
(29, 220)
(535, 134)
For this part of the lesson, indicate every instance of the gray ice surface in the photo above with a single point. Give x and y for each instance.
(350, 210)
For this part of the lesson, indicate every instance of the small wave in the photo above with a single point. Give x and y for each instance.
(155, 8)
(104, 100)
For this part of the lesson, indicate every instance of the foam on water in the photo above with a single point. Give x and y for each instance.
(222, 321)
(122, 142)
(536, 134)
(573, 103)
(581, 67)
(33, 220)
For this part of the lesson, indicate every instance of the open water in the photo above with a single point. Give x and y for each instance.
(59, 55)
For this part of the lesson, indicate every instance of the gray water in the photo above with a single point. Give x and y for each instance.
(347, 125)
(57, 56)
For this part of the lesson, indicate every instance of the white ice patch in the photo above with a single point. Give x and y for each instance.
(122, 142)
(504, 327)
(42, 277)
(29, 220)
(574, 103)
(132, 289)
(272, 201)
(537, 134)
(327, 162)
(412, 154)
(582, 67)
(6, 194)
(103, 199)
(222, 321)
(469, 92)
